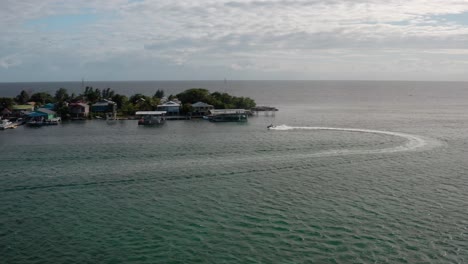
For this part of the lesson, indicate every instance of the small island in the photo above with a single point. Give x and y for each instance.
(45, 109)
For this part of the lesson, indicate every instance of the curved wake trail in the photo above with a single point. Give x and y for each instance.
(413, 142)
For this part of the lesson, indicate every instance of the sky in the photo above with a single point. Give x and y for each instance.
(52, 40)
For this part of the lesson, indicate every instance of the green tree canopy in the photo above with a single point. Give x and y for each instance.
(92, 95)
(6, 102)
(159, 94)
(107, 93)
(120, 100)
(217, 99)
(61, 95)
(23, 97)
(42, 98)
(194, 95)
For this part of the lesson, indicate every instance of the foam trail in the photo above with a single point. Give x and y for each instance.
(412, 142)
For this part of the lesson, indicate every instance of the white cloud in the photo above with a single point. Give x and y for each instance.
(262, 36)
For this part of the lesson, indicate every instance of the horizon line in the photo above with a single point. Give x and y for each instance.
(252, 80)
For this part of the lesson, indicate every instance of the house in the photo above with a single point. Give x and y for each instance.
(200, 108)
(42, 113)
(171, 107)
(78, 110)
(104, 106)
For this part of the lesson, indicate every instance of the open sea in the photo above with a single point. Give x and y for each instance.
(354, 172)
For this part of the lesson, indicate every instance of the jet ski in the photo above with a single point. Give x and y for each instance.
(271, 126)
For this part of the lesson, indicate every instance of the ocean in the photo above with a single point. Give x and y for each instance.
(354, 172)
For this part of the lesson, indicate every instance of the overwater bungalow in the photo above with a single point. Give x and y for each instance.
(150, 118)
(42, 117)
(107, 107)
(201, 109)
(78, 111)
(228, 115)
(171, 107)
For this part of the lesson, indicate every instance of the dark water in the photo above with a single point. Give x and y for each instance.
(194, 191)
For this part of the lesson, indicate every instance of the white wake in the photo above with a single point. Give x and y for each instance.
(412, 143)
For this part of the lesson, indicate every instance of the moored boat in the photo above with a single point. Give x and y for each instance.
(151, 118)
(6, 124)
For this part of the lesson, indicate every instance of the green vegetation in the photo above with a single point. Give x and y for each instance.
(6, 102)
(218, 100)
(159, 94)
(128, 105)
(42, 98)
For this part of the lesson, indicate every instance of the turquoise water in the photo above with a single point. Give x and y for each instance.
(194, 191)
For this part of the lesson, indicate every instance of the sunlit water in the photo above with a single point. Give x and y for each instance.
(353, 173)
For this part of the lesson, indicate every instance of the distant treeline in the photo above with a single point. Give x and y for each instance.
(128, 105)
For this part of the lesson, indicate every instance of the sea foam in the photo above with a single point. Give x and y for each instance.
(412, 143)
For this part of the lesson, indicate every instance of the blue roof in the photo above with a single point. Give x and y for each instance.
(36, 114)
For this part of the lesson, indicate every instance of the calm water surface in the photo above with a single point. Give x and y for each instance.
(194, 191)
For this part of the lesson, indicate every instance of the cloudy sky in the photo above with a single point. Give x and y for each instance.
(52, 40)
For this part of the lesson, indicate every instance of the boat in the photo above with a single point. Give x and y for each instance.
(47, 122)
(6, 124)
(271, 126)
(151, 118)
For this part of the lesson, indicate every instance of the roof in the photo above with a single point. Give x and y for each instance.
(150, 113)
(49, 106)
(35, 114)
(78, 104)
(227, 111)
(170, 103)
(201, 104)
(104, 103)
(22, 107)
(46, 111)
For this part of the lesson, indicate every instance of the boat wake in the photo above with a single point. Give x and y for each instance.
(413, 142)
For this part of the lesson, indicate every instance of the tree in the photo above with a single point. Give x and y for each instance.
(134, 99)
(128, 108)
(224, 100)
(187, 108)
(141, 102)
(6, 102)
(107, 93)
(62, 109)
(61, 95)
(171, 97)
(23, 97)
(120, 100)
(92, 95)
(194, 95)
(159, 94)
(42, 98)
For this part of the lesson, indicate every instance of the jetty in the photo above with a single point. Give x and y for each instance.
(228, 115)
(264, 108)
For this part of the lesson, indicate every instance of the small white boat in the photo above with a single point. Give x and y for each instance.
(6, 124)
